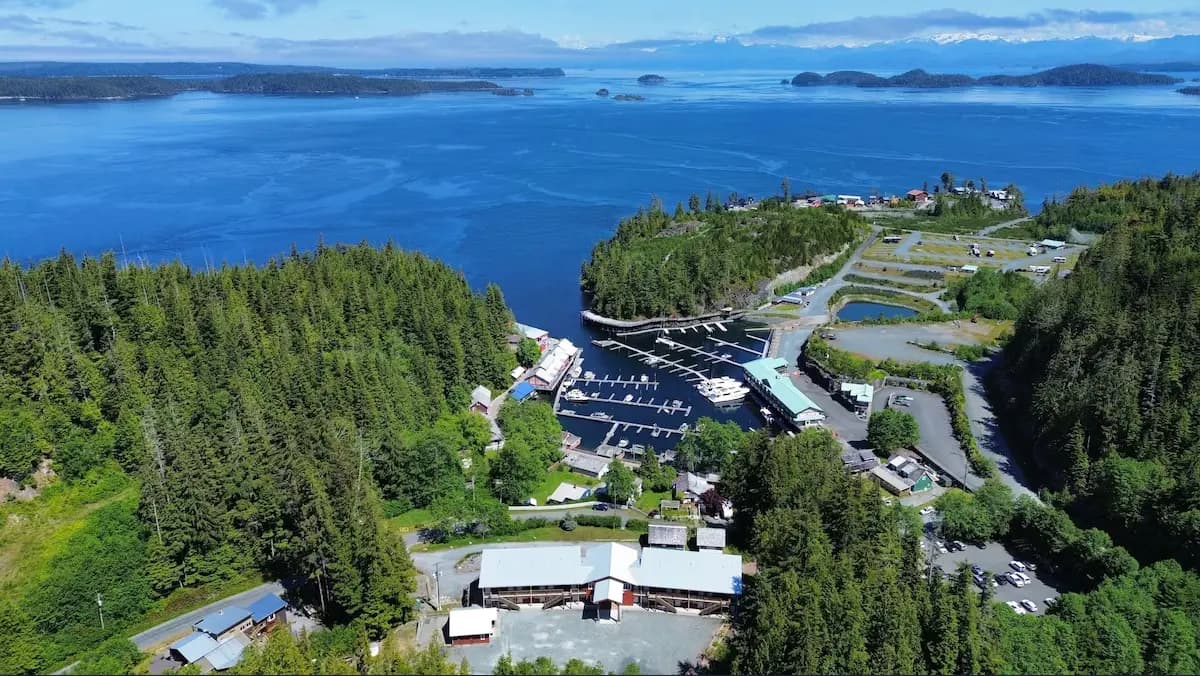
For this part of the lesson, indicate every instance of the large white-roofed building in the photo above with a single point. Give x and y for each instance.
(609, 575)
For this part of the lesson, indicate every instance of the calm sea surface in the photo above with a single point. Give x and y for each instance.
(517, 190)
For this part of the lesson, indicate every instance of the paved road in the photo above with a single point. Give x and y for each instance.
(993, 228)
(884, 342)
(558, 514)
(156, 636)
(937, 435)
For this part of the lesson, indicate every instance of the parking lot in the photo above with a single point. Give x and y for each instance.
(994, 558)
(657, 641)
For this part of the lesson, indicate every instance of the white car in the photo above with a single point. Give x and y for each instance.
(1029, 605)
(1016, 607)
(942, 548)
(927, 511)
(1048, 601)
(1017, 566)
(1019, 579)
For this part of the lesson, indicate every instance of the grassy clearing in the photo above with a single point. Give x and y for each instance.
(556, 476)
(544, 534)
(649, 500)
(892, 283)
(412, 519)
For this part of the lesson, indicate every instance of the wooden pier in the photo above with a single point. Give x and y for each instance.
(672, 364)
(664, 407)
(622, 426)
(710, 356)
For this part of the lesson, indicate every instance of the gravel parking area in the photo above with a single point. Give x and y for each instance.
(994, 559)
(657, 641)
(937, 436)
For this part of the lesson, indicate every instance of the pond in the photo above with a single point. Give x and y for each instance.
(859, 310)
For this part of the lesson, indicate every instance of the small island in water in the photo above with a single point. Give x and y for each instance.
(1078, 75)
(651, 79)
(628, 97)
(1190, 91)
(602, 92)
(57, 89)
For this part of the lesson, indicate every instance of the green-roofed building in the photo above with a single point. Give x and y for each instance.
(768, 378)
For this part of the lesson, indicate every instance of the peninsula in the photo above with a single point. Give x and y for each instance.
(203, 69)
(1078, 75)
(697, 260)
(62, 89)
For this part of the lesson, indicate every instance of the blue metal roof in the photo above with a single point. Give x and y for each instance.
(265, 607)
(223, 620)
(522, 391)
(229, 653)
(194, 646)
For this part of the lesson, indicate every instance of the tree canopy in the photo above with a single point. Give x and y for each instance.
(659, 265)
(892, 429)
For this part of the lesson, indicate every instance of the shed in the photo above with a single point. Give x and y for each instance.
(710, 538)
(522, 391)
(970, 269)
(481, 399)
(472, 625)
(192, 647)
(227, 654)
(667, 535)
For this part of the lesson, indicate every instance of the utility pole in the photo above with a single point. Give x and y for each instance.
(100, 605)
(437, 582)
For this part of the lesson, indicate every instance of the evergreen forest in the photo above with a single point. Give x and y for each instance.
(208, 426)
(1104, 368)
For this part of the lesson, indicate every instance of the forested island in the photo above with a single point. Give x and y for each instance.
(1190, 91)
(293, 84)
(200, 69)
(651, 79)
(703, 258)
(210, 426)
(1106, 359)
(1079, 75)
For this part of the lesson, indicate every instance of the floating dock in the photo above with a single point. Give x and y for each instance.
(674, 365)
(623, 426)
(710, 356)
(726, 343)
(663, 407)
(635, 383)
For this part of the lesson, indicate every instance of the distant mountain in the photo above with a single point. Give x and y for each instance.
(190, 69)
(1078, 75)
(972, 56)
(1167, 67)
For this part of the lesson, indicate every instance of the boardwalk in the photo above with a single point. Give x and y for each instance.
(622, 425)
(690, 371)
(670, 408)
(705, 354)
(743, 348)
(635, 383)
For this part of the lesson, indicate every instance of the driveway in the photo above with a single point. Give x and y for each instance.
(656, 641)
(150, 639)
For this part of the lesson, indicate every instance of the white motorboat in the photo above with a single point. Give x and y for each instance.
(588, 375)
(624, 443)
(576, 395)
(767, 415)
(723, 390)
(628, 398)
(645, 378)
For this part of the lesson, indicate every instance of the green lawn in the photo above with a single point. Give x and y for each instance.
(543, 534)
(556, 476)
(412, 519)
(649, 500)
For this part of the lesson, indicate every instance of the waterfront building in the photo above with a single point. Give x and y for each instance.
(766, 376)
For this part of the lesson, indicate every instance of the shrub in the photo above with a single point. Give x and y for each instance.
(567, 525)
(638, 525)
(598, 521)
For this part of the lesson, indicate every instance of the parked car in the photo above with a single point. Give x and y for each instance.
(926, 511)
(1002, 578)
(1019, 579)
(1029, 605)
(957, 546)
(601, 506)
(901, 402)
(1017, 566)
(1048, 601)
(1016, 607)
(829, 336)
(1030, 566)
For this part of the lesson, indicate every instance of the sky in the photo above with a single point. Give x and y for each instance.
(424, 32)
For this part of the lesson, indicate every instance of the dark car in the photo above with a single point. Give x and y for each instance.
(829, 336)
(978, 570)
(601, 506)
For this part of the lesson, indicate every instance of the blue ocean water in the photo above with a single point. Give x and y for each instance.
(517, 190)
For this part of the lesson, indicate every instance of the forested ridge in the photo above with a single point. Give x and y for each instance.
(841, 587)
(1105, 370)
(244, 419)
(1075, 75)
(694, 260)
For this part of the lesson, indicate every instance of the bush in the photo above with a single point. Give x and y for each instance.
(638, 525)
(598, 521)
(567, 525)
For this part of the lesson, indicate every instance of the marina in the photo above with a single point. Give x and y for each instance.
(625, 426)
(725, 343)
(691, 372)
(706, 355)
(634, 382)
(668, 407)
